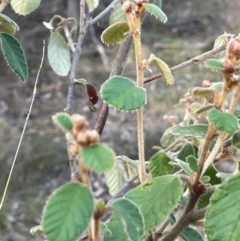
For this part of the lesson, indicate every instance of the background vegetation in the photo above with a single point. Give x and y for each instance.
(42, 164)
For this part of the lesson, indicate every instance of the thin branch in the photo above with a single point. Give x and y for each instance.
(104, 12)
(189, 62)
(184, 220)
(117, 69)
(25, 125)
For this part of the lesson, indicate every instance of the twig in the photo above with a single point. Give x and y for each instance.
(25, 125)
(117, 69)
(69, 38)
(4, 4)
(189, 62)
(184, 220)
(104, 12)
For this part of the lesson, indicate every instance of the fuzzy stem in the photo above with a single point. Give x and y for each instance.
(95, 229)
(234, 100)
(138, 53)
(209, 137)
(214, 152)
(83, 172)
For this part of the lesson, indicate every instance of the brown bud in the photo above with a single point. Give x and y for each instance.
(229, 67)
(82, 139)
(79, 122)
(93, 137)
(233, 48)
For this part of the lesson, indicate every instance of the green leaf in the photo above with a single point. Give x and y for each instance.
(222, 216)
(98, 157)
(105, 230)
(122, 94)
(204, 109)
(212, 172)
(236, 140)
(67, 212)
(198, 131)
(190, 234)
(167, 138)
(224, 122)
(7, 25)
(14, 55)
(92, 4)
(159, 164)
(202, 92)
(237, 113)
(221, 40)
(164, 69)
(117, 230)
(156, 198)
(186, 150)
(115, 33)
(115, 178)
(184, 166)
(204, 200)
(155, 11)
(59, 54)
(193, 163)
(214, 64)
(117, 14)
(24, 7)
(131, 217)
(64, 121)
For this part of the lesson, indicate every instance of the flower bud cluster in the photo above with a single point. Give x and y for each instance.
(81, 134)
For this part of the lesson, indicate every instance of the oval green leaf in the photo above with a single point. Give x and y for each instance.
(193, 163)
(236, 140)
(159, 164)
(214, 64)
(155, 11)
(67, 212)
(7, 25)
(115, 33)
(24, 7)
(167, 138)
(115, 178)
(224, 122)
(14, 55)
(117, 230)
(131, 217)
(156, 198)
(122, 94)
(64, 121)
(221, 40)
(59, 54)
(186, 151)
(164, 69)
(198, 131)
(222, 217)
(98, 157)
